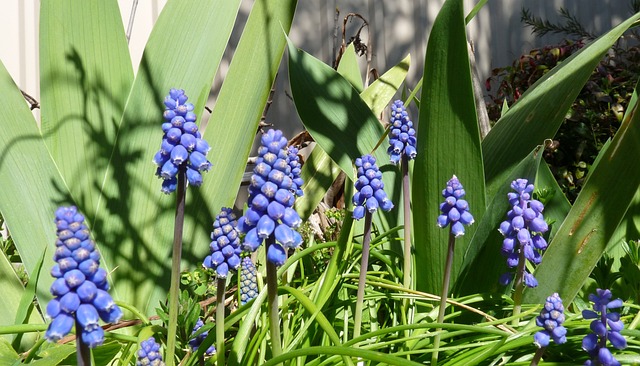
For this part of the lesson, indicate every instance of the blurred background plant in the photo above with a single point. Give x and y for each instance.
(597, 112)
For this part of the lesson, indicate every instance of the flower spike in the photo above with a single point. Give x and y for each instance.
(80, 289)
(182, 144)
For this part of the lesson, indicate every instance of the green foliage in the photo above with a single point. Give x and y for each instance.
(100, 129)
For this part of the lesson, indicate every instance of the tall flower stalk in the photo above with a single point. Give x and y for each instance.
(181, 159)
(369, 196)
(454, 214)
(275, 183)
(523, 240)
(80, 289)
(225, 251)
(402, 148)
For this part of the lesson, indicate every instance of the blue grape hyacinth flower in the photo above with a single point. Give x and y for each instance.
(197, 340)
(595, 343)
(248, 281)
(225, 244)
(551, 318)
(402, 135)
(80, 286)
(370, 192)
(294, 164)
(523, 231)
(455, 209)
(149, 353)
(271, 198)
(182, 144)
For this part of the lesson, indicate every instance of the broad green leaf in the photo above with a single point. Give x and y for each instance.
(557, 208)
(539, 112)
(134, 221)
(482, 262)
(594, 217)
(448, 144)
(31, 185)
(86, 76)
(332, 111)
(54, 355)
(378, 95)
(7, 354)
(348, 67)
(236, 116)
(319, 171)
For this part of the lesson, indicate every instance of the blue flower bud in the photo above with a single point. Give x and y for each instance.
(276, 254)
(59, 327)
(94, 338)
(248, 281)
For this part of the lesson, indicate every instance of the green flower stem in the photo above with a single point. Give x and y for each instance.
(537, 356)
(272, 294)
(406, 195)
(34, 350)
(83, 353)
(363, 275)
(23, 328)
(445, 294)
(408, 305)
(222, 284)
(137, 313)
(517, 295)
(174, 292)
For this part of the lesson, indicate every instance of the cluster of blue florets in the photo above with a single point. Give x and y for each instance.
(248, 281)
(370, 192)
(225, 244)
(149, 353)
(197, 340)
(455, 209)
(294, 164)
(551, 318)
(182, 144)
(595, 343)
(271, 199)
(80, 289)
(402, 135)
(523, 231)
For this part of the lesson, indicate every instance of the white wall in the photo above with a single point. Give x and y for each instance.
(399, 27)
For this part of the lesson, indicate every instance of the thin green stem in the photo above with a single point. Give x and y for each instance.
(272, 296)
(364, 264)
(445, 294)
(406, 195)
(174, 292)
(83, 353)
(407, 305)
(222, 284)
(137, 313)
(34, 350)
(517, 295)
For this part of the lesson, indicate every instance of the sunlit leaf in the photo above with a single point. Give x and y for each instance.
(448, 144)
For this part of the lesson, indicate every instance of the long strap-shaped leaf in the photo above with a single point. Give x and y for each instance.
(86, 76)
(31, 184)
(541, 109)
(240, 104)
(319, 171)
(134, 220)
(594, 217)
(448, 144)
